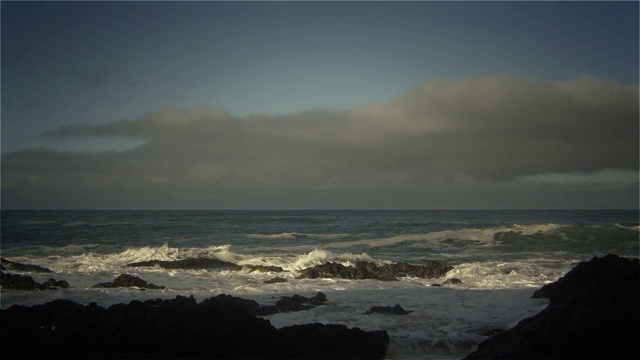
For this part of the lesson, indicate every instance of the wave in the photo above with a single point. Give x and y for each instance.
(297, 235)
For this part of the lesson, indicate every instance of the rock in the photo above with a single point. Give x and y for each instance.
(365, 270)
(126, 280)
(261, 268)
(198, 263)
(14, 266)
(217, 328)
(275, 280)
(293, 303)
(387, 310)
(452, 281)
(53, 283)
(593, 313)
(19, 282)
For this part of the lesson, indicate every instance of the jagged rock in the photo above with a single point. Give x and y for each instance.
(53, 283)
(217, 328)
(387, 310)
(365, 270)
(19, 282)
(593, 313)
(293, 303)
(14, 266)
(261, 268)
(126, 280)
(275, 280)
(199, 263)
(452, 281)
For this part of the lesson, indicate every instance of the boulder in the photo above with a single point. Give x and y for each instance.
(218, 328)
(14, 266)
(126, 280)
(452, 281)
(196, 263)
(387, 310)
(593, 312)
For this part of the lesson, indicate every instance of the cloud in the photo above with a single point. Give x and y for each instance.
(438, 140)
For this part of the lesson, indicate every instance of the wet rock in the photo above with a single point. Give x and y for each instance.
(198, 263)
(275, 280)
(593, 313)
(218, 328)
(452, 281)
(260, 268)
(126, 280)
(53, 283)
(19, 282)
(387, 310)
(365, 270)
(14, 266)
(293, 303)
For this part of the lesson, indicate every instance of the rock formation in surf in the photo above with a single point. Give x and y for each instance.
(366, 270)
(126, 280)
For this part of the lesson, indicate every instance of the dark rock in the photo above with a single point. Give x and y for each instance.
(594, 313)
(365, 270)
(261, 268)
(275, 280)
(19, 282)
(53, 283)
(14, 266)
(452, 281)
(387, 310)
(293, 303)
(199, 263)
(126, 280)
(218, 328)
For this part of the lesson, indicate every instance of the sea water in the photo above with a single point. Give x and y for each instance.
(500, 256)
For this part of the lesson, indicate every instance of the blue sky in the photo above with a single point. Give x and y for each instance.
(70, 64)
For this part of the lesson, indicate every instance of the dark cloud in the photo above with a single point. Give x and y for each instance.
(444, 144)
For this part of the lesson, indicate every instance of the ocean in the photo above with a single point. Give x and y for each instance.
(501, 257)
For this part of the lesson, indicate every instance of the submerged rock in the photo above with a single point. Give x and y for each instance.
(53, 283)
(261, 268)
(275, 280)
(387, 310)
(197, 263)
(452, 281)
(218, 328)
(14, 266)
(126, 280)
(366, 270)
(594, 313)
(293, 303)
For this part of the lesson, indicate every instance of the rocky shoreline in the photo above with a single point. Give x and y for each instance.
(593, 312)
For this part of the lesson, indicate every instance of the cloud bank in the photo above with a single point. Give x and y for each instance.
(479, 143)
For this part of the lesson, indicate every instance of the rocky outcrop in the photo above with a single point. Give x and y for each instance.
(14, 266)
(388, 310)
(24, 282)
(223, 327)
(293, 303)
(126, 280)
(196, 263)
(365, 270)
(593, 312)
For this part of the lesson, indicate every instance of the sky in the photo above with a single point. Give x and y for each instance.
(319, 105)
